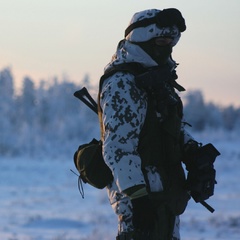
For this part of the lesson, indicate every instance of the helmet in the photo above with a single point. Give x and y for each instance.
(153, 23)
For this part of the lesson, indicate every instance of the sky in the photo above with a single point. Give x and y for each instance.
(74, 38)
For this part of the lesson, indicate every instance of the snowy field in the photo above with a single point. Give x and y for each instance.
(39, 200)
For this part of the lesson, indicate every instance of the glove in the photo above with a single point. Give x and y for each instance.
(201, 175)
(190, 154)
(144, 215)
(199, 157)
(201, 184)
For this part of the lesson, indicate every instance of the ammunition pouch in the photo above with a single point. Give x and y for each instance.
(154, 79)
(159, 83)
(89, 162)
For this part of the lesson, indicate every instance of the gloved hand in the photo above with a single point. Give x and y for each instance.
(201, 175)
(189, 154)
(144, 215)
(198, 157)
(201, 184)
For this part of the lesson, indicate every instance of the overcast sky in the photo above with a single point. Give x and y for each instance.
(47, 38)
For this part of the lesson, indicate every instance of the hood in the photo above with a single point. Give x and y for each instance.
(128, 52)
(144, 26)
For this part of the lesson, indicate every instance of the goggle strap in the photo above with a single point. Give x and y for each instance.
(143, 23)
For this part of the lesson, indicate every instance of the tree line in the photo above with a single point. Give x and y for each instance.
(48, 119)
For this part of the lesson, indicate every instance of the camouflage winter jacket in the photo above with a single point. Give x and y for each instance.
(124, 108)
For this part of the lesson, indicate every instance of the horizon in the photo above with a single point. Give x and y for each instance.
(47, 84)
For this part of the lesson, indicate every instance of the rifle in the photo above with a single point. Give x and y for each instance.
(86, 98)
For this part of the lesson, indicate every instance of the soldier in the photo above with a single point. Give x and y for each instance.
(143, 132)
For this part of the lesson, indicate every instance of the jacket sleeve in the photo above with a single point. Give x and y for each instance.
(123, 114)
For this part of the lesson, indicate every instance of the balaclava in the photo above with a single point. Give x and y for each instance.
(147, 25)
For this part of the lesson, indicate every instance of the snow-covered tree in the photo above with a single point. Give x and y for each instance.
(195, 111)
(230, 117)
(8, 114)
(48, 119)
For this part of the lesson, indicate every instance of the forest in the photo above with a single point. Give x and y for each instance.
(48, 119)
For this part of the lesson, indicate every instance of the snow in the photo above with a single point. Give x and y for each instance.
(40, 201)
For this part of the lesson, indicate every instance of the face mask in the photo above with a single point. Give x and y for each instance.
(159, 54)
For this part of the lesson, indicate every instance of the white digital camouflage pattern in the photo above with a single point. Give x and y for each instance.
(152, 31)
(123, 112)
(129, 52)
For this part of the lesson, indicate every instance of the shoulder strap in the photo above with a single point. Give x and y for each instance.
(132, 67)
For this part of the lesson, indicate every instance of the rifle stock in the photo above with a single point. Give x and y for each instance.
(86, 98)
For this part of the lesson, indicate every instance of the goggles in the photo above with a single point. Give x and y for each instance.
(165, 18)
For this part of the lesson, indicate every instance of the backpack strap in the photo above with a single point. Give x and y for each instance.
(132, 67)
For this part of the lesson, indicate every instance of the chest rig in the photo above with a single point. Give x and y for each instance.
(160, 136)
(161, 140)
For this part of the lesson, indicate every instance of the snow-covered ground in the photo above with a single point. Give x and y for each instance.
(39, 200)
